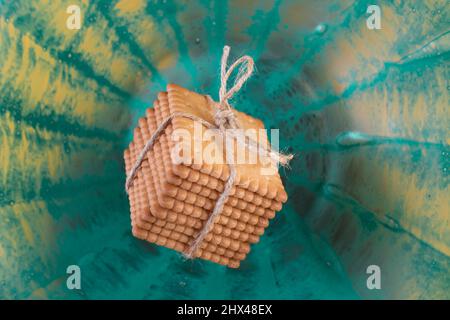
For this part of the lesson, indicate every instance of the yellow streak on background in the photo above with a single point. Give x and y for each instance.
(160, 46)
(20, 153)
(129, 6)
(91, 42)
(50, 84)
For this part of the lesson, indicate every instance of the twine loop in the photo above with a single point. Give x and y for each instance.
(224, 116)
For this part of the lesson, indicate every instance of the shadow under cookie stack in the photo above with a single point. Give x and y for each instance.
(171, 201)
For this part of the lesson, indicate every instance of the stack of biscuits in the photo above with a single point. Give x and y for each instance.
(171, 200)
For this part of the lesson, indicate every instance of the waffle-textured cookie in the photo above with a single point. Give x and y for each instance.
(170, 202)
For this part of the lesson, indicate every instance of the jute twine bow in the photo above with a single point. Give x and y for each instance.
(224, 119)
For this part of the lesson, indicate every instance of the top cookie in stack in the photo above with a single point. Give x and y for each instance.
(177, 184)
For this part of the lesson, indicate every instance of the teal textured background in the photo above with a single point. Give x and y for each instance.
(365, 112)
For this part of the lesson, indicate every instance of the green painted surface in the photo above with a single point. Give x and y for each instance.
(365, 111)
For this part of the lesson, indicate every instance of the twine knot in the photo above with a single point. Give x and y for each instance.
(224, 119)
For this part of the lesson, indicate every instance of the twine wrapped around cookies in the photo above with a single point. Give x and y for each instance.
(224, 119)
